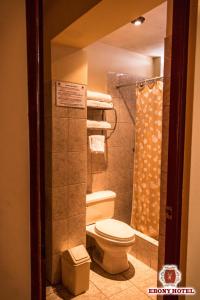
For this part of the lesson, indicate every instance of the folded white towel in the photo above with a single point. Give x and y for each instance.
(99, 104)
(99, 96)
(97, 143)
(98, 124)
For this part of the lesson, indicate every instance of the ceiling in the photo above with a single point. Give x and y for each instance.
(102, 19)
(147, 39)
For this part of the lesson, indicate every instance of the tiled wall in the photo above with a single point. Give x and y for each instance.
(114, 169)
(65, 183)
(72, 171)
(145, 249)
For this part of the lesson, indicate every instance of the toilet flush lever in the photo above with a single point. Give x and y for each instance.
(169, 212)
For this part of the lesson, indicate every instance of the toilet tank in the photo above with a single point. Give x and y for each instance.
(99, 206)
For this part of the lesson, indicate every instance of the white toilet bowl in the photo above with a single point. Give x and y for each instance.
(113, 241)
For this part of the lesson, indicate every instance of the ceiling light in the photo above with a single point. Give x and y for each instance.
(138, 21)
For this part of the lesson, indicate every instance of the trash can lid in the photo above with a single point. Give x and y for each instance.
(77, 254)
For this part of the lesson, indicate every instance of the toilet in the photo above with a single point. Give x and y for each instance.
(113, 238)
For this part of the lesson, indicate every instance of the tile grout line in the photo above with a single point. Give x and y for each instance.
(99, 289)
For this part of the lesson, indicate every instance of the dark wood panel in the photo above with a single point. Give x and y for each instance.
(177, 131)
(36, 138)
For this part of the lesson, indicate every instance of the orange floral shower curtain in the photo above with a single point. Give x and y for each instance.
(147, 160)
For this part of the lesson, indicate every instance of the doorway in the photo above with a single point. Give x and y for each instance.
(163, 255)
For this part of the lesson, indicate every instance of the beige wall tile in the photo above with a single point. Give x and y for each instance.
(59, 111)
(56, 269)
(48, 204)
(123, 206)
(77, 113)
(115, 138)
(97, 114)
(77, 230)
(143, 250)
(89, 171)
(48, 267)
(154, 256)
(59, 170)
(48, 134)
(112, 82)
(99, 182)
(119, 180)
(77, 135)
(60, 235)
(110, 114)
(48, 240)
(124, 115)
(133, 250)
(60, 203)
(77, 167)
(59, 134)
(123, 136)
(76, 199)
(99, 162)
(48, 170)
(127, 135)
(119, 159)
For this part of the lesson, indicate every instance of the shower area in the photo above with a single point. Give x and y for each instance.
(143, 100)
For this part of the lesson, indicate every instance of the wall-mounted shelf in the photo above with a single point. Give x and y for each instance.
(98, 125)
(99, 101)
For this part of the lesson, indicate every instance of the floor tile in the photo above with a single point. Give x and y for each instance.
(49, 290)
(139, 273)
(131, 284)
(141, 276)
(130, 294)
(145, 285)
(52, 297)
(62, 293)
(108, 284)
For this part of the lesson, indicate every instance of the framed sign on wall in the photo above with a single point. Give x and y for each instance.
(70, 94)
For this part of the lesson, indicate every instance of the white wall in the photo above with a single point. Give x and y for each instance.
(14, 161)
(193, 260)
(103, 58)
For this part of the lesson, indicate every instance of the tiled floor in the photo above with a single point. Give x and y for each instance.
(130, 285)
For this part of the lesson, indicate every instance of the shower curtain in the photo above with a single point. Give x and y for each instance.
(147, 159)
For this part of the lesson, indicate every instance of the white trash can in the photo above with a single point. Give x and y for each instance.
(76, 269)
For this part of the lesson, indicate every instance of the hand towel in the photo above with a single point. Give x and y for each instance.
(98, 124)
(97, 143)
(99, 96)
(99, 104)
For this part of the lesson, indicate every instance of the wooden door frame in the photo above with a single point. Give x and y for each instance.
(178, 89)
(34, 25)
(34, 31)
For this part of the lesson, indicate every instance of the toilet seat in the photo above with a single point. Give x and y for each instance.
(115, 230)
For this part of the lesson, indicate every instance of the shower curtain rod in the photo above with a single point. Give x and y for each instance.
(140, 82)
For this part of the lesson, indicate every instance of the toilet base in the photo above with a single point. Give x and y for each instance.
(111, 262)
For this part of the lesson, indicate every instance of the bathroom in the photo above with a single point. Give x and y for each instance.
(100, 159)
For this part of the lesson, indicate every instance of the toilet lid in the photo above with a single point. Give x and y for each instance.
(115, 230)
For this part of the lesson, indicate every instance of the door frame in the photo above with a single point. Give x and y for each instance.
(34, 26)
(34, 32)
